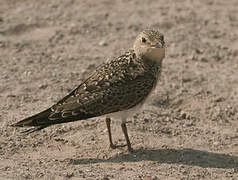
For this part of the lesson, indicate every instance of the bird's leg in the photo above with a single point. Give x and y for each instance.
(108, 122)
(113, 146)
(124, 129)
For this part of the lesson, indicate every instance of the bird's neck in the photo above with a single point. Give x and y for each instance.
(150, 61)
(153, 57)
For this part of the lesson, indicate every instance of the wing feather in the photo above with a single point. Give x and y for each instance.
(115, 86)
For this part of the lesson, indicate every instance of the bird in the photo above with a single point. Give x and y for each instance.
(118, 88)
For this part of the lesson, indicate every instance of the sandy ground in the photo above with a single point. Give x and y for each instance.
(189, 128)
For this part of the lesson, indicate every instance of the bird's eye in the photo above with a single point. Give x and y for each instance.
(143, 40)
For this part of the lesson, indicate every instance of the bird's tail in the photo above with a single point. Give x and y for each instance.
(40, 121)
(46, 118)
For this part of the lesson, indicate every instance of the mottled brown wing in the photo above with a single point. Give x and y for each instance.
(115, 86)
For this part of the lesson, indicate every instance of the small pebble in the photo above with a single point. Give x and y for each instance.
(103, 43)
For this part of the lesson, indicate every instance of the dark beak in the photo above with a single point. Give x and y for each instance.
(159, 45)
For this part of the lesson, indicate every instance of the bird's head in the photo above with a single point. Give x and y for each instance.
(149, 44)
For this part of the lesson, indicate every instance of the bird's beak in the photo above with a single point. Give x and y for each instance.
(158, 45)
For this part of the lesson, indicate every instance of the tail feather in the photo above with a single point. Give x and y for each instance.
(34, 129)
(40, 119)
(47, 118)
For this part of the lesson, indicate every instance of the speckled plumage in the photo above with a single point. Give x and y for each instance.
(116, 86)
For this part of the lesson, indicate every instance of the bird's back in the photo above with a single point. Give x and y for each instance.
(117, 85)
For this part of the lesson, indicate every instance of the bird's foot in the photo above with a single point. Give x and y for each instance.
(131, 150)
(113, 146)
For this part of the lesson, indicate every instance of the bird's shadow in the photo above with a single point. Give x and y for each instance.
(170, 156)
